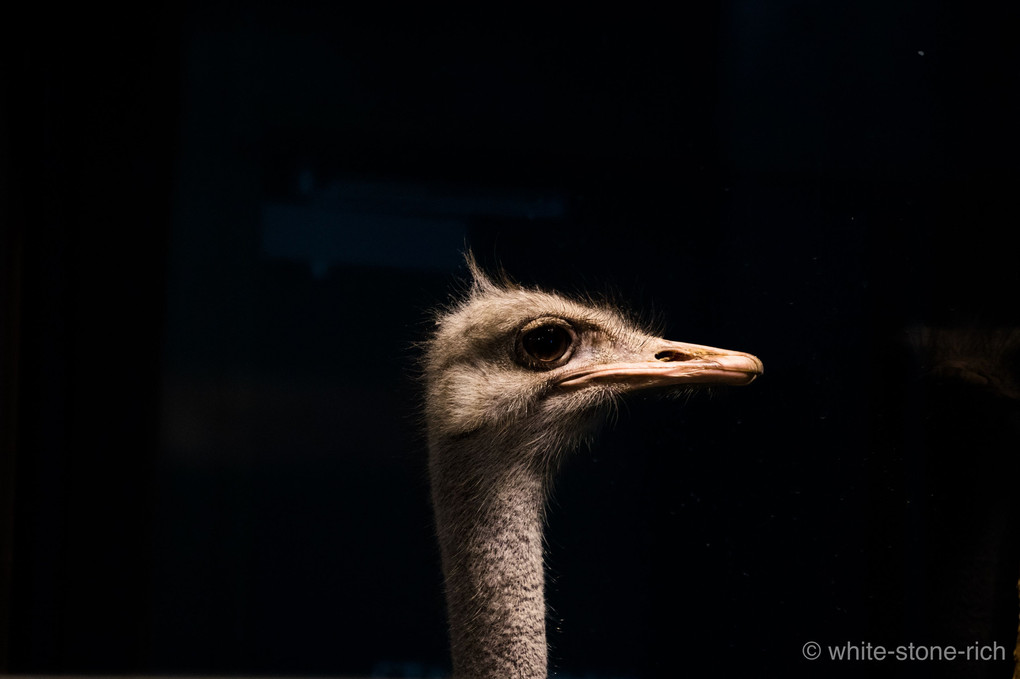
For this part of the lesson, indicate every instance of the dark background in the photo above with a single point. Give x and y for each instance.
(224, 226)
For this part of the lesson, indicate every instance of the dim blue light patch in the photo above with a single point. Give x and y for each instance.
(388, 224)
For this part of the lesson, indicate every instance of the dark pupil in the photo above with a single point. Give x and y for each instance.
(547, 343)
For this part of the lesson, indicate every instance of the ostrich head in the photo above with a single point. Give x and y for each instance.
(511, 362)
(514, 378)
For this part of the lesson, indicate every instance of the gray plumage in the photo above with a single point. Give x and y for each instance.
(515, 378)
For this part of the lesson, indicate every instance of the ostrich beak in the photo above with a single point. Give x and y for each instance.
(670, 364)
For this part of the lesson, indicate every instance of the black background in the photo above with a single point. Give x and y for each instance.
(225, 226)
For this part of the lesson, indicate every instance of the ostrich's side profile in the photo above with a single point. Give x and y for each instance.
(515, 378)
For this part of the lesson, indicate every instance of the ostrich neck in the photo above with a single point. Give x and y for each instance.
(489, 523)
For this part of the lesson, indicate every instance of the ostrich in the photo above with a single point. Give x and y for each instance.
(967, 400)
(515, 378)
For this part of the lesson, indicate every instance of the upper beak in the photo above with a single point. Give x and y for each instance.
(671, 364)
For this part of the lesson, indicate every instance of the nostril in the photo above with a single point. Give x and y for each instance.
(670, 355)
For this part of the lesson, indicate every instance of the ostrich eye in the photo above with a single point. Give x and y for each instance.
(547, 343)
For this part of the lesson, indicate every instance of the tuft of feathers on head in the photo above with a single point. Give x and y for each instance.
(479, 285)
(481, 282)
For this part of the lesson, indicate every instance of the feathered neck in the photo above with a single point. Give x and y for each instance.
(489, 514)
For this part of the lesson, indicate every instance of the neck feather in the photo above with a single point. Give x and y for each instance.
(489, 515)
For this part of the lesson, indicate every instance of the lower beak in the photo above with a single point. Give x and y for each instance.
(671, 364)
